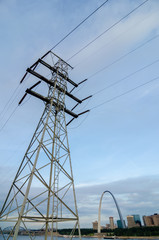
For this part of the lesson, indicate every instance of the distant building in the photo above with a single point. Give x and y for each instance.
(148, 222)
(155, 219)
(137, 219)
(107, 226)
(111, 225)
(95, 225)
(152, 220)
(111, 220)
(131, 222)
(119, 223)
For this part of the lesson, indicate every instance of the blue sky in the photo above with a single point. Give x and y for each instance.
(114, 147)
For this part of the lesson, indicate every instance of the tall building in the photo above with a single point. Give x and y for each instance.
(111, 220)
(119, 223)
(152, 220)
(130, 221)
(133, 221)
(137, 219)
(148, 221)
(155, 219)
(95, 225)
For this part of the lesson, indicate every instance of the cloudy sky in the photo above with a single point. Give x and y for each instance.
(115, 147)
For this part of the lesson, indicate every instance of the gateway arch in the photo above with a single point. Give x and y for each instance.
(99, 212)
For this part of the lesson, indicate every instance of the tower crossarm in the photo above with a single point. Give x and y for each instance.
(81, 101)
(71, 96)
(34, 66)
(47, 100)
(78, 116)
(53, 84)
(57, 72)
(37, 95)
(79, 84)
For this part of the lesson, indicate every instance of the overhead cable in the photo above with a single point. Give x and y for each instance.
(128, 76)
(124, 93)
(9, 101)
(8, 119)
(79, 25)
(123, 56)
(36, 63)
(122, 79)
(136, 25)
(116, 97)
(107, 30)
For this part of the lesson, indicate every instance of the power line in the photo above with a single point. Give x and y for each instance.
(128, 76)
(136, 25)
(123, 56)
(8, 119)
(9, 100)
(120, 58)
(107, 30)
(60, 42)
(36, 63)
(63, 40)
(13, 113)
(131, 90)
(92, 42)
(79, 25)
(111, 85)
(116, 97)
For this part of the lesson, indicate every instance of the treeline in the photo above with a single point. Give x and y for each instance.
(136, 231)
(84, 231)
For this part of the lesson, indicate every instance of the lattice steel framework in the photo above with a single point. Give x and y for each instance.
(42, 193)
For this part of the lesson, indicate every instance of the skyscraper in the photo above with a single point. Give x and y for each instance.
(111, 220)
(119, 223)
(131, 222)
(155, 218)
(148, 221)
(95, 225)
(137, 219)
(152, 220)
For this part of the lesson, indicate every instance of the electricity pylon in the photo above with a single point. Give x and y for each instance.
(42, 194)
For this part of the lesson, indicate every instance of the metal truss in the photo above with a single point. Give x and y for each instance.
(42, 194)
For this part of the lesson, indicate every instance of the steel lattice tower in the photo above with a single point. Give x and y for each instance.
(42, 192)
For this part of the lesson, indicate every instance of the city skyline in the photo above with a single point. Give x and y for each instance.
(115, 146)
(133, 220)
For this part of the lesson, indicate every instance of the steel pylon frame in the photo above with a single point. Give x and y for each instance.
(43, 191)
